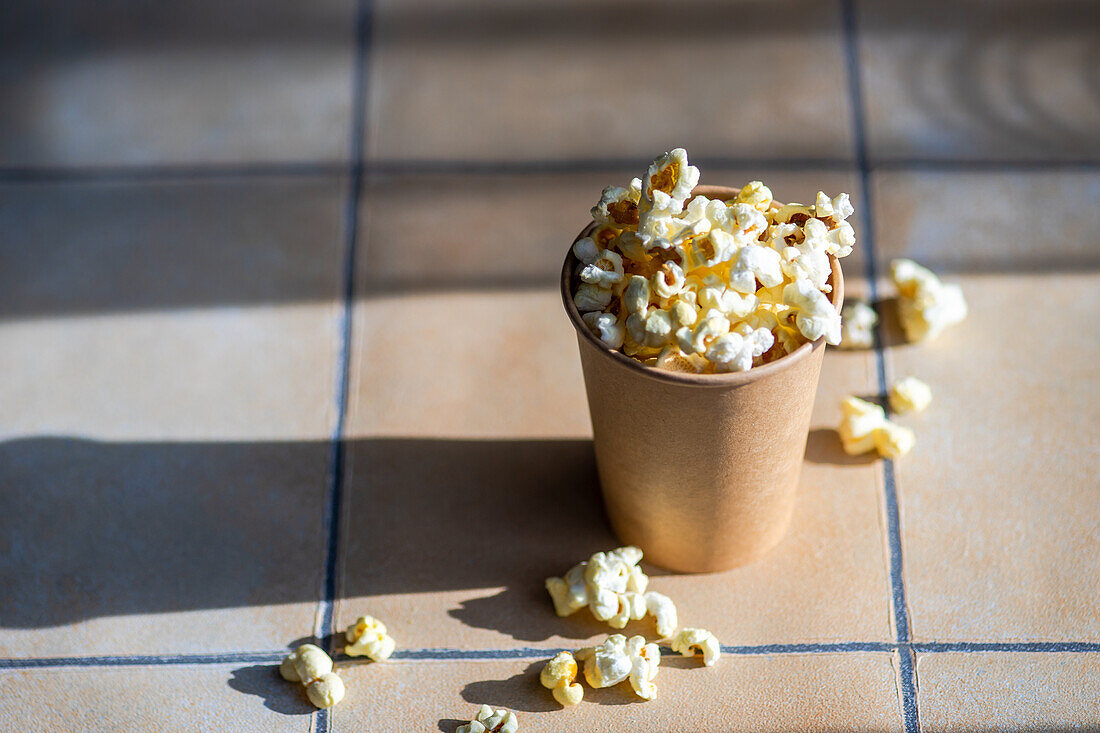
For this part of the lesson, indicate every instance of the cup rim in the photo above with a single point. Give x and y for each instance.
(725, 379)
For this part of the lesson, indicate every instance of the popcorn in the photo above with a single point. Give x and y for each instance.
(502, 721)
(606, 327)
(817, 317)
(368, 637)
(857, 324)
(926, 306)
(618, 659)
(669, 281)
(559, 676)
(618, 207)
(310, 665)
(864, 427)
(688, 640)
(909, 395)
(613, 587)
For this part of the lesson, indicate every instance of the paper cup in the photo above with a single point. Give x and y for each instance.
(698, 470)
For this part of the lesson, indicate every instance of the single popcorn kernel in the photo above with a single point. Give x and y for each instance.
(559, 675)
(909, 395)
(688, 640)
(857, 326)
(368, 637)
(618, 659)
(310, 665)
(502, 721)
(864, 427)
(926, 306)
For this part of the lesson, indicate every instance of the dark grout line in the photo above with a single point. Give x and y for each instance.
(321, 722)
(445, 654)
(907, 676)
(387, 168)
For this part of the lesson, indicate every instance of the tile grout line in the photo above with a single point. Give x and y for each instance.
(311, 169)
(907, 677)
(321, 722)
(445, 654)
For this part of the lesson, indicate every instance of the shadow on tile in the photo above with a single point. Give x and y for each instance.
(450, 725)
(279, 696)
(523, 692)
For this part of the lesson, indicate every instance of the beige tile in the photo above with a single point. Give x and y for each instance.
(998, 499)
(489, 439)
(1008, 692)
(205, 82)
(498, 231)
(224, 697)
(171, 310)
(502, 80)
(157, 548)
(1012, 81)
(780, 693)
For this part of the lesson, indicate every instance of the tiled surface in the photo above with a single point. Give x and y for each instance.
(605, 80)
(176, 291)
(248, 697)
(1028, 456)
(123, 83)
(836, 692)
(1009, 692)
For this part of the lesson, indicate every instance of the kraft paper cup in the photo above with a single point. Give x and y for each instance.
(698, 470)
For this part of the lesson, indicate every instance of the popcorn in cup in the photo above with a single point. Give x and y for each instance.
(702, 314)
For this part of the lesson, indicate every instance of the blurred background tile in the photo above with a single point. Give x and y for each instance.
(185, 309)
(124, 82)
(1000, 512)
(981, 79)
(836, 692)
(1008, 692)
(501, 80)
(165, 699)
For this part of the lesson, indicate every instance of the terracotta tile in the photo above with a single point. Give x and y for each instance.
(1008, 692)
(181, 310)
(947, 80)
(501, 80)
(998, 525)
(778, 693)
(224, 697)
(119, 84)
(156, 548)
(502, 432)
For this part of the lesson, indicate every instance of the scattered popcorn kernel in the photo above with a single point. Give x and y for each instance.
(893, 441)
(864, 427)
(569, 593)
(926, 306)
(559, 675)
(688, 640)
(310, 665)
(368, 637)
(663, 610)
(755, 194)
(909, 395)
(326, 690)
(502, 721)
(618, 659)
(606, 327)
(857, 326)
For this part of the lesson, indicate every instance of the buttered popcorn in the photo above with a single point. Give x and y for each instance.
(310, 665)
(613, 587)
(618, 659)
(705, 285)
(560, 677)
(687, 641)
(367, 637)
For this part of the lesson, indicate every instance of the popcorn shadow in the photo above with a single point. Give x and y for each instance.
(824, 446)
(279, 696)
(889, 331)
(450, 725)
